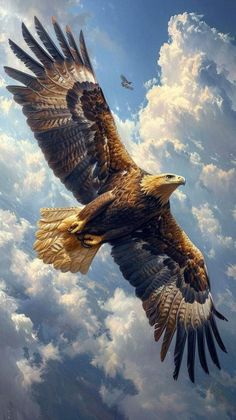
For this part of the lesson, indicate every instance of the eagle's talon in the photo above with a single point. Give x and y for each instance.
(85, 245)
(76, 227)
(91, 240)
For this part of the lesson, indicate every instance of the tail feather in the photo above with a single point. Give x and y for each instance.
(57, 246)
(57, 214)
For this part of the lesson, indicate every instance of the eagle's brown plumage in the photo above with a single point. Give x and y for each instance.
(126, 207)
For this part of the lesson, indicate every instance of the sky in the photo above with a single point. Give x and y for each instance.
(80, 347)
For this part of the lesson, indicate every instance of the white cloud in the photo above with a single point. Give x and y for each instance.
(16, 333)
(5, 104)
(10, 228)
(228, 300)
(231, 271)
(2, 82)
(180, 195)
(210, 226)
(189, 30)
(50, 352)
(62, 306)
(195, 100)
(195, 158)
(141, 152)
(24, 163)
(131, 351)
(217, 179)
(234, 213)
(126, 129)
(150, 83)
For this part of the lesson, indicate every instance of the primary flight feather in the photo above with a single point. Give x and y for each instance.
(124, 205)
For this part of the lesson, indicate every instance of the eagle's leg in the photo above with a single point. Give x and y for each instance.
(90, 211)
(88, 239)
(122, 231)
(91, 239)
(117, 233)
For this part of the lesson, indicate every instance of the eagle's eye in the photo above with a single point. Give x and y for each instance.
(170, 176)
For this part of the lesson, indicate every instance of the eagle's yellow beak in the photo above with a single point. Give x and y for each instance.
(172, 179)
(180, 180)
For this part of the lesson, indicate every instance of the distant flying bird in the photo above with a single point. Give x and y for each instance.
(124, 205)
(125, 83)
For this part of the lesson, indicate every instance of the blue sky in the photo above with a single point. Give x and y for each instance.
(73, 346)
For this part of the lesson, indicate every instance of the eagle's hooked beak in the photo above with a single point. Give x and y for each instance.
(173, 179)
(181, 180)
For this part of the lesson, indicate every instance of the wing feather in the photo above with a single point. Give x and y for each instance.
(191, 352)
(211, 345)
(73, 45)
(62, 40)
(84, 52)
(30, 62)
(67, 111)
(179, 349)
(201, 349)
(22, 77)
(169, 275)
(48, 42)
(217, 334)
(40, 53)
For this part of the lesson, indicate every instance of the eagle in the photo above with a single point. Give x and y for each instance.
(123, 205)
(125, 83)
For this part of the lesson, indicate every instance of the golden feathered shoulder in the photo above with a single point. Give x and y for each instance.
(124, 206)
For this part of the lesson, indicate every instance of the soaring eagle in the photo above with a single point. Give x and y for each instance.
(123, 205)
(125, 83)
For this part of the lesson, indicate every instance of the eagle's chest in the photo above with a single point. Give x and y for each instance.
(130, 208)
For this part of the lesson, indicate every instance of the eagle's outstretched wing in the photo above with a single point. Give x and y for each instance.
(66, 109)
(123, 78)
(170, 276)
(129, 87)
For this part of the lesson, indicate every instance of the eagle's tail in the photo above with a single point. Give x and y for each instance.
(57, 245)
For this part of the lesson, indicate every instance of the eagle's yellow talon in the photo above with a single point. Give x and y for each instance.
(76, 226)
(91, 240)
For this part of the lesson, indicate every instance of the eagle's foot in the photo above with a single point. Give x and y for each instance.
(77, 226)
(89, 240)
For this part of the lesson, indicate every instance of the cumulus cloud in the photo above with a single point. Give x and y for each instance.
(16, 333)
(65, 305)
(228, 300)
(231, 271)
(64, 312)
(140, 152)
(130, 349)
(55, 304)
(150, 83)
(218, 180)
(126, 129)
(234, 213)
(210, 226)
(5, 104)
(24, 162)
(10, 228)
(179, 194)
(195, 100)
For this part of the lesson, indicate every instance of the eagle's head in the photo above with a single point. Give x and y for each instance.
(161, 186)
